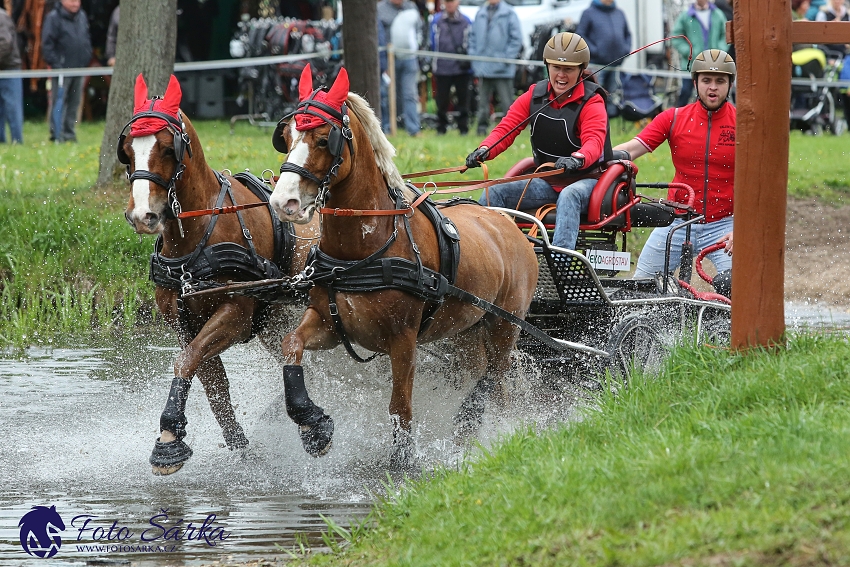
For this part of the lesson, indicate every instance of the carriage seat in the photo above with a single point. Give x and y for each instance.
(613, 191)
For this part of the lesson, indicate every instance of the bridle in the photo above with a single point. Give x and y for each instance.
(182, 145)
(337, 138)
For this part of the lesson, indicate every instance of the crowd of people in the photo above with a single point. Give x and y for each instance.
(567, 110)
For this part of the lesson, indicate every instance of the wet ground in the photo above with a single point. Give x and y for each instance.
(80, 423)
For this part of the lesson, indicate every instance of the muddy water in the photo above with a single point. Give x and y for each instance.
(79, 425)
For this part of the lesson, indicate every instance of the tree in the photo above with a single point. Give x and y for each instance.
(147, 39)
(360, 42)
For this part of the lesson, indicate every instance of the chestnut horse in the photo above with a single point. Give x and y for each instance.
(169, 174)
(338, 159)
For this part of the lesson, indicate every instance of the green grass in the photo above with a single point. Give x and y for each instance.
(725, 459)
(69, 263)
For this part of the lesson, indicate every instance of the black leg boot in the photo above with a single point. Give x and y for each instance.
(173, 419)
(316, 428)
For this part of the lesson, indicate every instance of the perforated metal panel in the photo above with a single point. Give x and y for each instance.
(573, 280)
(546, 289)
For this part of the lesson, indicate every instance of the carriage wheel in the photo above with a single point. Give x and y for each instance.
(634, 347)
(717, 331)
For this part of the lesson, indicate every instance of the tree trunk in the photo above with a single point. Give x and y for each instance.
(147, 39)
(360, 42)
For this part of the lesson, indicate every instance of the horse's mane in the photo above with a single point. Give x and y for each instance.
(384, 150)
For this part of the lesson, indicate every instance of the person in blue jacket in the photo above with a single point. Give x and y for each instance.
(450, 34)
(496, 32)
(605, 29)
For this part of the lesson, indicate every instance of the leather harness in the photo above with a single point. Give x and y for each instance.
(375, 272)
(196, 271)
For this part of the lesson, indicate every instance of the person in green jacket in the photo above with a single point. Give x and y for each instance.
(704, 25)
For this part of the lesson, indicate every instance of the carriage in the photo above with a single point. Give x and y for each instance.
(388, 276)
(612, 324)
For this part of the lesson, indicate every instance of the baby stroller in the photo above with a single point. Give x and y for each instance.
(812, 105)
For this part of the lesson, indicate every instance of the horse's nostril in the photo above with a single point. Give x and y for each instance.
(292, 206)
(151, 219)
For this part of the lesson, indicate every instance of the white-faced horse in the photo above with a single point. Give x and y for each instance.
(383, 267)
(169, 175)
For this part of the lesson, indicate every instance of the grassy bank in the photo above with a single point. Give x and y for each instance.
(723, 460)
(69, 264)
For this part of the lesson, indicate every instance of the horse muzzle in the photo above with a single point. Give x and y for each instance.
(292, 211)
(147, 223)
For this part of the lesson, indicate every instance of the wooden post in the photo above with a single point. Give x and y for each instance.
(762, 35)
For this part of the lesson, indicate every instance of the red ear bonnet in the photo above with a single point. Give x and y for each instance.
(169, 104)
(334, 98)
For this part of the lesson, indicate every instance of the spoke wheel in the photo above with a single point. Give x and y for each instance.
(635, 348)
(717, 332)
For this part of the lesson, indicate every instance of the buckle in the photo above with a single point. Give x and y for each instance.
(333, 309)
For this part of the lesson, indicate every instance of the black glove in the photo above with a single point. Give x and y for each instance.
(569, 164)
(475, 158)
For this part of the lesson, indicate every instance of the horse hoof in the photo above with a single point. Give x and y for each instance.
(235, 437)
(317, 438)
(168, 458)
(165, 471)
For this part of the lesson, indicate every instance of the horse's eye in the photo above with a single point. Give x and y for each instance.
(322, 143)
(168, 152)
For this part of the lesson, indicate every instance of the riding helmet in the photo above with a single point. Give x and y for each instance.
(713, 61)
(567, 48)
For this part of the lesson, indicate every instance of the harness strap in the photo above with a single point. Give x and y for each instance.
(556, 344)
(340, 330)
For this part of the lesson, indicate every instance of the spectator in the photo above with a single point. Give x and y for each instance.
(726, 7)
(812, 12)
(704, 25)
(450, 34)
(401, 18)
(385, 79)
(112, 36)
(701, 137)
(834, 10)
(11, 90)
(496, 32)
(605, 29)
(569, 126)
(66, 44)
(799, 9)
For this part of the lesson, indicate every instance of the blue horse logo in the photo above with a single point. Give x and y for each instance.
(40, 529)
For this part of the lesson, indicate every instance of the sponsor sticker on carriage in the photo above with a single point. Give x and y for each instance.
(607, 260)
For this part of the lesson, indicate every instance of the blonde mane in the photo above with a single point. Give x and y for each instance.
(384, 150)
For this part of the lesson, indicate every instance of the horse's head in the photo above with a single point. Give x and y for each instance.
(156, 151)
(315, 138)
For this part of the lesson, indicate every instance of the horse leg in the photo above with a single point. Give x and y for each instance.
(403, 361)
(170, 451)
(229, 323)
(497, 342)
(315, 426)
(212, 375)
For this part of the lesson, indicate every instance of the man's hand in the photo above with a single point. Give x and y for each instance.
(569, 164)
(475, 158)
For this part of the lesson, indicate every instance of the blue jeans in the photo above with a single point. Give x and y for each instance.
(12, 109)
(407, 93)
(571, 202)
(651, 260)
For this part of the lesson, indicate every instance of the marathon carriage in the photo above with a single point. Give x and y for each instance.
(608, 323)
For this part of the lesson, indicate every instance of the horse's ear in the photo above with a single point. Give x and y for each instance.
(140, 94)
(305, 85)
(339, 91)
(173, 95)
